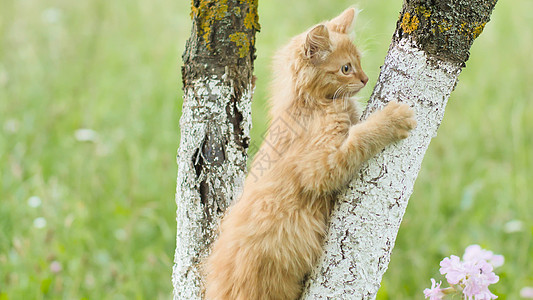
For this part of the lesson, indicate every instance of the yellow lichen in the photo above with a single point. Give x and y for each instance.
(405, 21)
(409, 24)
(194, 10)
(241, 40)
(206, 13)
(478, 30)
(444, 26)
(423, 11)
(251, 20)
(463, 27)
(472, 30)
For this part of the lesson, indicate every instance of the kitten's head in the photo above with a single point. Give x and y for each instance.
(323, 61)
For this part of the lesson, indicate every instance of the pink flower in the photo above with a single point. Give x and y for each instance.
(475, 253)
(55, 267)
(474, 273)
(475, 279)
(470, 277)
(484, 295)
(453, 268)
(526, 292)
(435, 292)
(479, 277)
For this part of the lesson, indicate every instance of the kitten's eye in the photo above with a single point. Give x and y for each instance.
(346, 69)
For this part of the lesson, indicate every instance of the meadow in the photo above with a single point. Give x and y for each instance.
(90, 100)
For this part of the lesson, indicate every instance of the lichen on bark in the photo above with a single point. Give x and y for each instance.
(212, 18)
(443, 28)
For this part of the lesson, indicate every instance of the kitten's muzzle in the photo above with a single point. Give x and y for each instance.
(364, 79)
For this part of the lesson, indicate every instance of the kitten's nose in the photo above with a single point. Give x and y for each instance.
(364, 79)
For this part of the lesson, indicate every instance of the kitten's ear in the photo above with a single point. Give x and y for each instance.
(317, 44)
(343, 22)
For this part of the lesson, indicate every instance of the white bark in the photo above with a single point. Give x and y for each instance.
(367, 217)
(205, 119)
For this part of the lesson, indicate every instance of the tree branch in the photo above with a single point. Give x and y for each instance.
(430, 46)
(215, 129)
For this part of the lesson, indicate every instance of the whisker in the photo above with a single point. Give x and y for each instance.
(345, 99)
(338, 92)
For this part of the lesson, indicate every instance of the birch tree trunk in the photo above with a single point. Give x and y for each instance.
(429, 48)
(215, 128)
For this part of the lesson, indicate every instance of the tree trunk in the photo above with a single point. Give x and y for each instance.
(215, 128)
(429, 48)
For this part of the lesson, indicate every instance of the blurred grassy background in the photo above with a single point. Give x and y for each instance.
(90, 214)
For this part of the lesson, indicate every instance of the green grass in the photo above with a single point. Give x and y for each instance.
(113, 67)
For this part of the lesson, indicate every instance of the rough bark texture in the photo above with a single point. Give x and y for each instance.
(430, 46)
(215, 128)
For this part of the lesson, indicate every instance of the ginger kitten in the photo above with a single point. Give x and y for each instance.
(272, 236)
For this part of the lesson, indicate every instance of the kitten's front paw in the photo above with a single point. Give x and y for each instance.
(401, 118)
